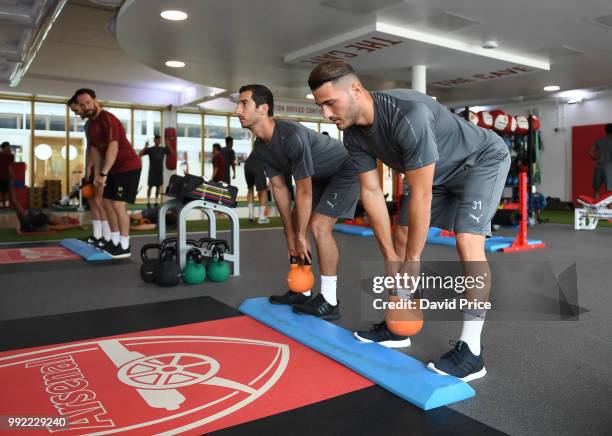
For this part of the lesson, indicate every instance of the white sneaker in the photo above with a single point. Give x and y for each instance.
(263, 220)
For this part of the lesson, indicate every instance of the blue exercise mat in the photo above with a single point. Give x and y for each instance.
(495, 243)
(353, 230)
(85, 250)
(399, 373)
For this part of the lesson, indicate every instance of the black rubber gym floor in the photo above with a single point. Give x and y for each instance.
(544, 377)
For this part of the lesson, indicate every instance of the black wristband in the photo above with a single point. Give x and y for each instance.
(103, 175)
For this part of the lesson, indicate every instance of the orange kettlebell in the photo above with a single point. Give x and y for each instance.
(300, 278)
(88, 191)
(404, 321)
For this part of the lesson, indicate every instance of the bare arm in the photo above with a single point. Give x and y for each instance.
(376, 208)
(142, 152)
(420, 182)
(303, 207)
(282, 197)
(111, 156)
(95, 160)
(593, 152)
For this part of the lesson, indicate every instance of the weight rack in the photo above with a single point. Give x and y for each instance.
(209, 209)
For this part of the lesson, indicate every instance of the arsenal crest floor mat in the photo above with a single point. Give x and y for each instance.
(188, 367)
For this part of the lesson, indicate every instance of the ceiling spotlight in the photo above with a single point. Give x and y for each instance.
(489, 44)
(552, 88)
(310, 96)
(175, 64)
(174, 15)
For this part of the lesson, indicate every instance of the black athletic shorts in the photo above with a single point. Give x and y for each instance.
(156, 178)
(5, 186)
(122, 186)
(255, 176)
(35, 220)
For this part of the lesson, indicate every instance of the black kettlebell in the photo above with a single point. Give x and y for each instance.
(147, 269)
(167, 272)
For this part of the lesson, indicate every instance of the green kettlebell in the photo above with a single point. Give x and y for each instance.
(194, 272)
(218, 269)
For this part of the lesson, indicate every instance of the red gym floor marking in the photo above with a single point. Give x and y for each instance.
(35, 254)
(190, 379)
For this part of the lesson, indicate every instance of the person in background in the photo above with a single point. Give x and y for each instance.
(230, 159)
(156, 154)
(117, 168)
(218, 162)
(101, 232)
(601, 153)
(256, 179)
(35, 220)
(6, 177)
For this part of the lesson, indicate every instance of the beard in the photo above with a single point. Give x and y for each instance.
(90, 113)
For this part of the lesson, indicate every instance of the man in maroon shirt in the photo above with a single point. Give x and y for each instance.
(116, 167)
(6, 188)
(218, 161)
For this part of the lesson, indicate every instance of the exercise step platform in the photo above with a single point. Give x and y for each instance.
(85, 250)
(399, 373)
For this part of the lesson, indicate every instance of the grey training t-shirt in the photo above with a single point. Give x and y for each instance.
(604, 151)
(300, 151)
(412, 130)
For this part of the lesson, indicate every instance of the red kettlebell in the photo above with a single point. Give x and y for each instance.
(300, 278)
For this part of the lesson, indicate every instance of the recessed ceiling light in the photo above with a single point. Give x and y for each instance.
(490, 44)
(551, 88)
(175, 64)
(310, 96)
(174, 15)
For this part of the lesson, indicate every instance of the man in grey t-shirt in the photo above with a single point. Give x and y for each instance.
(455, 173)
(326, 189)
(601, 153)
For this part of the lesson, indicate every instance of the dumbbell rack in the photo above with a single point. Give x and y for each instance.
(209, 210)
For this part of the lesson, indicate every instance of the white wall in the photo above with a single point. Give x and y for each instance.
(556, 157)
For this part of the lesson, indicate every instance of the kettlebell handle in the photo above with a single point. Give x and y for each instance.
(147, 247)
(294, 260)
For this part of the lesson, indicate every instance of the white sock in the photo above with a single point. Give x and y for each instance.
(106, 231)
(262, 213)
(470, 333)
(115, 237)
(125, 242)
(250, 210)
(97, 228)
(328, 289)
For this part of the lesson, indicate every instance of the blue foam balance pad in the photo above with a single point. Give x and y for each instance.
(495, 243)
(353, 230)
(85, 250)
(399, 373)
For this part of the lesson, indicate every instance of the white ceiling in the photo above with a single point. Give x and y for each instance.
(226, 43)
(80, 50)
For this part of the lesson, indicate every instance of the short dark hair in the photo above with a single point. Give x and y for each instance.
(4, 145)
(157, 137)
(329, 71)
(87, 91)
(608, 128)
(73, 100)
(261, 95)
(229, 140)
(217, 146)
